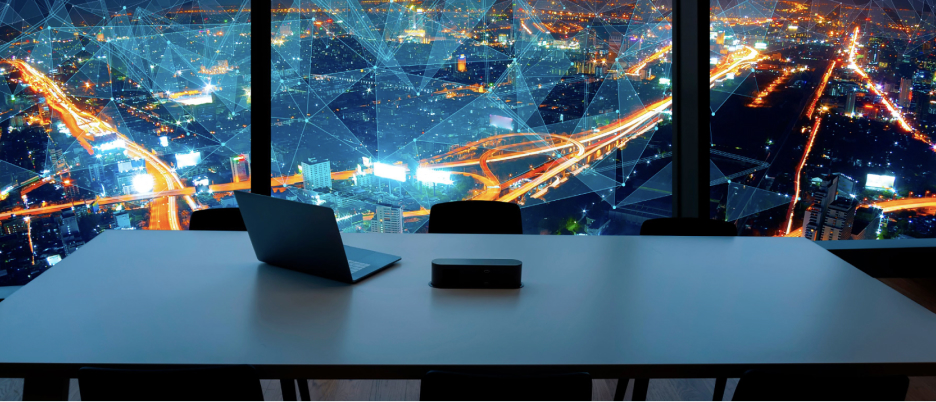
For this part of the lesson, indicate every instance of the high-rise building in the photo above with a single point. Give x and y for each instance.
(832, 212)
(68, 230)
(462, 64)
(850, 104)
(839, 218)
(365, 180)
(905, 88)
(922, 105)
(316, 175)
(96, 172)
(615, 41)
(69, 222)
(56, 159)
(71, 190)
(123, 220)
(387, 219)
(240, 167)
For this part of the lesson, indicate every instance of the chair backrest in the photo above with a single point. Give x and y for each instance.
(450, 386)
(220, 383)
(217, 219)
(687, 227)
(481, 217)
(761, 385)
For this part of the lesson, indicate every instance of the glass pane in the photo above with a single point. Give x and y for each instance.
(821, 118)
(382, 109)
(120, 115)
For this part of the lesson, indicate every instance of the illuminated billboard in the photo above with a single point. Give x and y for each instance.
(879, 182)
(143, 183)
(115, 144)
(427, 175)
(505, 123)
(189, 159)
(392, 172)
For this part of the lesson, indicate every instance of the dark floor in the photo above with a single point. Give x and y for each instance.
(11, 389)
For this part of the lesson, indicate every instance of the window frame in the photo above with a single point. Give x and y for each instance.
(691, 112)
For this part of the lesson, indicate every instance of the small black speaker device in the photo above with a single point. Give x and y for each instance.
(455, 273)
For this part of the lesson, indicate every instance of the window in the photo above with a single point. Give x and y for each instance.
(383, 108)
(128, 117)
(821, 128)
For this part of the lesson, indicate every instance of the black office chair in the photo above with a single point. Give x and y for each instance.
(449, 386)
(678, 227)
(482, 217)
(687, 227)
(217, 219)
(220, 383)
(761, 385)
(230, 219)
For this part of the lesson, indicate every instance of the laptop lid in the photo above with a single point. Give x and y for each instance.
(293, 235)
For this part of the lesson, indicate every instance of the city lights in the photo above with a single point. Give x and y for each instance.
(427, 175)
(392, 172)
(188, 159)
(143, 183)
(537, 104)
(880, 182)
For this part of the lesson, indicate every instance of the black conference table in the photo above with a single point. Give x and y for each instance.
(626, 306)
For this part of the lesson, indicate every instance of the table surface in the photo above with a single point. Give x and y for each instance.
(614, 306)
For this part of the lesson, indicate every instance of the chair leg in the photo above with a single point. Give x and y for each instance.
(45, 389)
(303, 389)
(288, 385)
(640, 389)
(621, 389)
(719, 388)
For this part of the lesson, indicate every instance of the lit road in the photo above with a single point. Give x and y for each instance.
(582, 147)
(852, 51)
(639, 66)
(887, 207)
(588, 143)
(906, 203)
(85, 127)
(799, 172)
(895, 113)
(809, 143)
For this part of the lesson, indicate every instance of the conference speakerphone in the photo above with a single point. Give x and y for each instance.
(465, 273)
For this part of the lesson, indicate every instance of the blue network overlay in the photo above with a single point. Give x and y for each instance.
(825, 128)
(130, 115)
(116, 115)
(384, 108)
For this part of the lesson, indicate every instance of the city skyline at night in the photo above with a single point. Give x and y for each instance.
(111, 113)
(132, 115)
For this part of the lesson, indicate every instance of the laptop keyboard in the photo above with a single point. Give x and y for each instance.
(357, 266)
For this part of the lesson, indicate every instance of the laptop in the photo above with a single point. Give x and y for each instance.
(305, 238)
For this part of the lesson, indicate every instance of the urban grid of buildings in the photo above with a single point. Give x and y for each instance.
(132, 118)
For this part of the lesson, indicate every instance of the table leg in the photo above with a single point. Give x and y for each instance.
(640, 389)
(303, 389)
(45, 389)
(288, 385)
(621, 389)
(719, 389)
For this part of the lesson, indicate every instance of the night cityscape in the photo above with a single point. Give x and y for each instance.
(133, 115)
(116, 115)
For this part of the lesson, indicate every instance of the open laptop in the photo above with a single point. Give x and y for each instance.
(305, 238)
